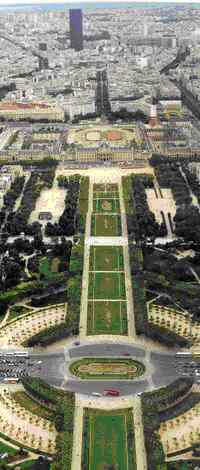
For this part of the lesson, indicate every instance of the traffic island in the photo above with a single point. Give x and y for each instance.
(107, 368)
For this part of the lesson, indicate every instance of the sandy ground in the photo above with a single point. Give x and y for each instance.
(51, 200)
(165, 204)
(184, 430)
(110, 174)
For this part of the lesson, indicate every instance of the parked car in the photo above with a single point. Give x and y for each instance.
(111, 392)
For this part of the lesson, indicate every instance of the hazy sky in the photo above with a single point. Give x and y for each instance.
(18, 2)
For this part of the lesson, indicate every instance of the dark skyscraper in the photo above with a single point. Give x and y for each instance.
(76, 29)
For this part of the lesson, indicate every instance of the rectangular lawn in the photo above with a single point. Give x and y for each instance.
(105, 190)
(105, 442)
(107, 318)
(106, 258)
(102, 205)
(105, 187)
(106, 225)
(107, 286)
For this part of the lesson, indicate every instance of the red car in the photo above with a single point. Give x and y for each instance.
(126, 354)
(111, 393)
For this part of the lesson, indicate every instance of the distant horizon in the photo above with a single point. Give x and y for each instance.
(10, 3)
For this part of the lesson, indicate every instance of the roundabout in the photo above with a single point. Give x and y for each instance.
(107, 368)
(156, 369)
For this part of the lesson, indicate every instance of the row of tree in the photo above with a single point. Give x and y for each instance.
(69, 220)
(63, 404)
(187, 218)
(144, 223)
(17, 222)
(152, 404)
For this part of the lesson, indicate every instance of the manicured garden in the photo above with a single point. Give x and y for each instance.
(107, 318)
(105, 190)
(106, 225)
(107, 368)
(107, 286)
(102, 205)
(108, 440)
(106, 258)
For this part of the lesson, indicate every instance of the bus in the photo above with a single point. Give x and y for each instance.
(11, 380)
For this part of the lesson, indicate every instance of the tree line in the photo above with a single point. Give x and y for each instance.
(69, 220)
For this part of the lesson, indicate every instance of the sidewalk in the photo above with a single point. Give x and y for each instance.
(85, 276)
(128, 280)
(140, 450)
(78, 435)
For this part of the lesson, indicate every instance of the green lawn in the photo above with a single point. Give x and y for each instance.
(107, 318)
(26, 465)
(102, 205)
(105, 190)
(48, 268)
(105, 443)
(106, 286)
(106, 258)
(106, 225)
(9, 450)
(16, 311)
(42, 411)
(105, 187)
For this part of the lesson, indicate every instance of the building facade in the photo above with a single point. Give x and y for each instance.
(76, 29)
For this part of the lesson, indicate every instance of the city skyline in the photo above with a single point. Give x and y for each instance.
(39, 2)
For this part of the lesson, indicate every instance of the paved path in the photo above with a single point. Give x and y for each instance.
(78, 434)
(85, 277)
(128, 281)
(107, 241)
(141, 458)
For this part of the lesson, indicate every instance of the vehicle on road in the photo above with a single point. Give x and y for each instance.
(96, 394)
(111, 392)
(11, 380)
(126, 354)
(77, 343)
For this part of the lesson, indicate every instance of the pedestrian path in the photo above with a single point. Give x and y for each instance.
(78, 434)
(140, 450)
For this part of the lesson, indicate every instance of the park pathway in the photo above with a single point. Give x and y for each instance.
(140, 450)
(78, 434)
(127, 271)
(85, 277)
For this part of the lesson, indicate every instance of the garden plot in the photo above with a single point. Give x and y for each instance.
(173, 320)
(106, 258)
(107, 318)
(19, 331)
(108, 440)
(106, 205)
(106, 225)
(23, 426)
(107, 368)
(110, 285)
(182, 432)
(51, 200)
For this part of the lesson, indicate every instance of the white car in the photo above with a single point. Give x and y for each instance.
(96, 394)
